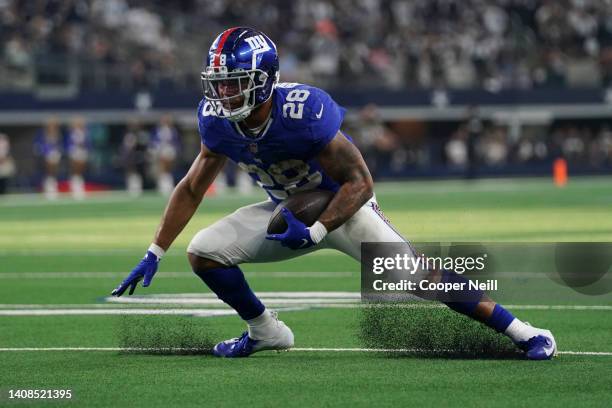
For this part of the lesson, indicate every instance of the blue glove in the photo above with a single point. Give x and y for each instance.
(297, 235)
(145, 269)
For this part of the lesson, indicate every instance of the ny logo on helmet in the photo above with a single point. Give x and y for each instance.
(258, 44)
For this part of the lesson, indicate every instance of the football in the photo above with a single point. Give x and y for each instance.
(307, 206)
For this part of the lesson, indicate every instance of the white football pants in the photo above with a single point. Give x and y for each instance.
(241, 236)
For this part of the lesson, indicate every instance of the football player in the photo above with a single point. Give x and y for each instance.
(287, 136)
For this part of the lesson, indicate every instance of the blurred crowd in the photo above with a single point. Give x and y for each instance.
(476, 147)
(76, 157)
(493, 44)
(495, 146)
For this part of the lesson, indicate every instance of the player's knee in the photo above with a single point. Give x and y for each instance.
(205, 251)
(200, 264)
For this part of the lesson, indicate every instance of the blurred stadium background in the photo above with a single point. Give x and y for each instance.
(102, 93)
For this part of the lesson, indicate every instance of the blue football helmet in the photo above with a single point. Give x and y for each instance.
(241, 72)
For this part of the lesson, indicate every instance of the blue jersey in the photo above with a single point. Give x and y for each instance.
(282, 157)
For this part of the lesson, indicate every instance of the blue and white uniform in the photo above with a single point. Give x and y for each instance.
(282, 159)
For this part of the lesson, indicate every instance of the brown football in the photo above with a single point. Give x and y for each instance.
(307, 206)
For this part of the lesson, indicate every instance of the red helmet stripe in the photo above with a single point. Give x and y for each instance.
(226, 33)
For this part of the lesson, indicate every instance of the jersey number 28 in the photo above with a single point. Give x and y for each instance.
(294, 107)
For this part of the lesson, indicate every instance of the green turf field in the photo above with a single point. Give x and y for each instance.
(59, 330)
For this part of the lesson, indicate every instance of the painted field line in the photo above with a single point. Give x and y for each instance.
(330, 294)
(118, 312)
(270, 274)
(80, 252)
(217, 308)
(371, 350)
(441, 306)
(85, 308)
(298, 349)
(166, 275)
(559, 307)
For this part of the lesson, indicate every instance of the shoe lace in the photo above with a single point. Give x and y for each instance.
(237, 339)
(243, 344)
(539, 341)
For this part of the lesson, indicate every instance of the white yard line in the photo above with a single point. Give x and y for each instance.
(214, 307)
(115, 312)
(165, 275)
(77, 252)
(559, 307)
(370, 350)
(263, 274)
(298, 349)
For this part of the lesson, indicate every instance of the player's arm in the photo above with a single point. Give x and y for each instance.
(187, 196)
(343, 162)
(183, 203)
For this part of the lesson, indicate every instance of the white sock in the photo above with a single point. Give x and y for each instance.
(50, 188)
(77, 187)
(263, 326)
(134, 184)
(519, 331)
(165, 183)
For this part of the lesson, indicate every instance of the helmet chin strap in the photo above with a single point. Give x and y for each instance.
(237, 115)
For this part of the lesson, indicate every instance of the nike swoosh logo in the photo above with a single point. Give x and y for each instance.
(304, 242)
(320, 113)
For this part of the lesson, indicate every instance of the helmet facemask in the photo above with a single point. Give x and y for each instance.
(224, 89)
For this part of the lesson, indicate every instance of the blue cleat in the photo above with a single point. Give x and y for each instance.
(244, 346)
(539, 347)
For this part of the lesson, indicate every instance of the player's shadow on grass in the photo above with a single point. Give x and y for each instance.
(434, 333)
(164, 335)
(159, 351)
